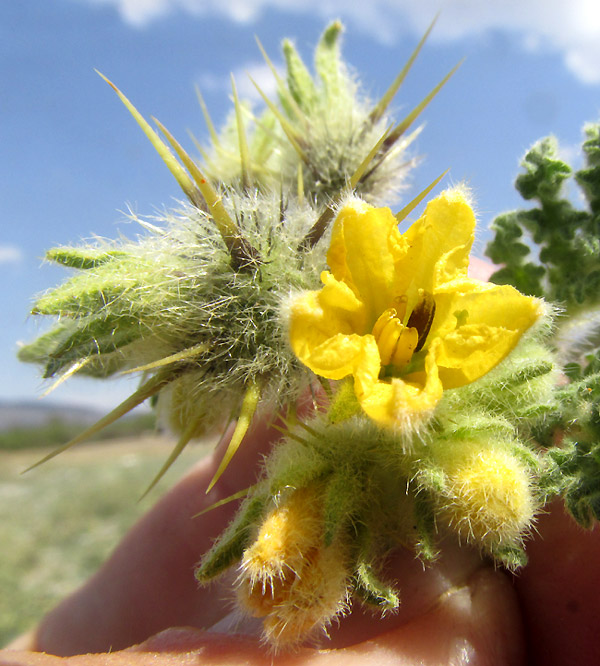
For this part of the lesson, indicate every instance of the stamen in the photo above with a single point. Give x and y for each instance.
(384, 318)
(395, 341)
(405, 347)
(388, 339)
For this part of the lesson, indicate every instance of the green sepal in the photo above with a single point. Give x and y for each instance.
(345, 404)
(374, 591)
(299, 80)
(512, 557)
(342, 497)
(295, 463)
(89, 293)
(230, 546)
(328, 63)
(96, 336)
(426, 528)
(46, 344)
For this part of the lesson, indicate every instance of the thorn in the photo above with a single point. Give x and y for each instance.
(390, 93)
(281, 86)
(320, 226)
(242, 141)
(203, 154)
(249, 405)
(399, 130)
(316, 232)
(69, 373)
(190, 352)
(242, 253)
(226, 500)
(417, 200)
(161, 148)
(309, 430)
(291, 435)
(300, 183)
(183, 441)
(358, 174)
(150, 388)
(286, 126)
(207, 119)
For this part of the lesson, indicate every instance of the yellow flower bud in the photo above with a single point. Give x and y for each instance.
(312, 599)
(489, 498)
(289, 531)
(289, 577)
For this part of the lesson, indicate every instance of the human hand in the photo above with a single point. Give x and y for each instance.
(459, 610)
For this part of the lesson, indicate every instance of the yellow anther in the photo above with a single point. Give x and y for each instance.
(388, 339)
(395, 341)
(384, 319)
(406, 345)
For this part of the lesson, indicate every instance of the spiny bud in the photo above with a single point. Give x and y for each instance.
(289, 577)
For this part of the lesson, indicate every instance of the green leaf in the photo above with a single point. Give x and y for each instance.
(545, 172)
(299, 80)
(425, 518)
(328, 63)
(94, 337)
(341, 499)
(83, 258)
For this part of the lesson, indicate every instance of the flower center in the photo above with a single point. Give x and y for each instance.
(395, 341)
(398, 342)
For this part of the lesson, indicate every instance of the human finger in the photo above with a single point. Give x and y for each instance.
(148, 583)
(559, 591)
(477, 623)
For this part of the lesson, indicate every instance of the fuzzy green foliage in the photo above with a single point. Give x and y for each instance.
(234, 539)
(323, 128)
(378, 491)
(566, 271)
(567, 239)
(575, 467)
(173, 290)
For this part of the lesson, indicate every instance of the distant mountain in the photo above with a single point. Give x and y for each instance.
(31, 413)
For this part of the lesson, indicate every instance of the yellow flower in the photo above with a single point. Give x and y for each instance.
(399, 313)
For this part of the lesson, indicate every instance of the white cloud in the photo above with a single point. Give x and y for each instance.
(9, 254)
(571, 28)
(261, 74)
(257, 71)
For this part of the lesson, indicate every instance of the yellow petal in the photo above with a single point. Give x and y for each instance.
(480, 329)
(343, 355)
(316, 316)
(360, 255)
(397, 403)
(439, 241)
(339, 301)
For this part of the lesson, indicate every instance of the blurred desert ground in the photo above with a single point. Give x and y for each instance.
(60, 521)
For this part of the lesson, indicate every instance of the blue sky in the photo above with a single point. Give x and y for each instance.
(73, 160)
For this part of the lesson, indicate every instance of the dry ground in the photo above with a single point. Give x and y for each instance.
(59, 522)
